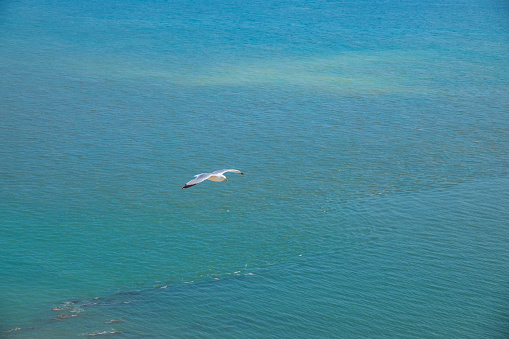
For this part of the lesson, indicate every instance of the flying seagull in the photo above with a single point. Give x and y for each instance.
(214, 176)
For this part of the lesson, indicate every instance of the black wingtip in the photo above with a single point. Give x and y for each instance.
(186, 186)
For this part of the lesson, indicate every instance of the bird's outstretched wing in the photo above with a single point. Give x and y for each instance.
(227, 170)
(199, 178)
(204, 176)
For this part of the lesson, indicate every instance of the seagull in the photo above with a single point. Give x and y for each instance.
(214, 176)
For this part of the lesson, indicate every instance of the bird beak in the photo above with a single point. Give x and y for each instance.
(226, 179)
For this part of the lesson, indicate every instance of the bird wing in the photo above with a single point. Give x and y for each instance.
(204, 176)
(226, 170)
(199, 178)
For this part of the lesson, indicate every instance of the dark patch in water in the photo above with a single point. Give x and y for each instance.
(114, 321)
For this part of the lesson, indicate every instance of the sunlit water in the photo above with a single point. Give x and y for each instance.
(374, 139)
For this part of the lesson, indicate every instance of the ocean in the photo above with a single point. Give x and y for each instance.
(374, 138)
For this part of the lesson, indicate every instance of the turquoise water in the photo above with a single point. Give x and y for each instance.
(373, 135)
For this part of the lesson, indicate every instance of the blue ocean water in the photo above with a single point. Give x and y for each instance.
(374, 136)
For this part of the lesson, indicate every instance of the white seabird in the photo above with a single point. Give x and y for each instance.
(214, 176)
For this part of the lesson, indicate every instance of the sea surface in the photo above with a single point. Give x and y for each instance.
(374, 138)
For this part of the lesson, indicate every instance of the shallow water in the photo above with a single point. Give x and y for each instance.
(374, 140)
